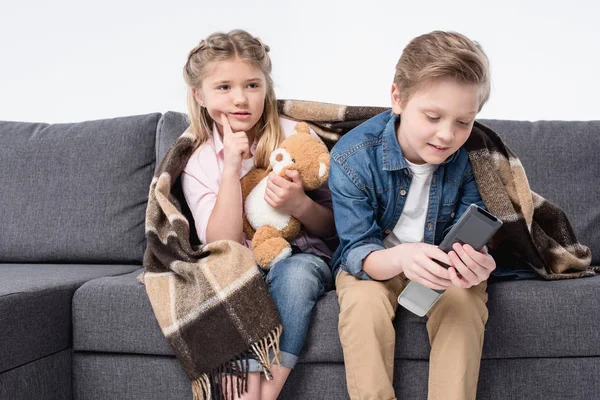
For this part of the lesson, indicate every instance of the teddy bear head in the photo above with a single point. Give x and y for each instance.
(304, 153)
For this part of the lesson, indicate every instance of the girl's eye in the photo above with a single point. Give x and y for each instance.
(253, 85)
(431, 118)
(223, 87)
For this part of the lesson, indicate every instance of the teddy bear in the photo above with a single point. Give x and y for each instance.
(270, 229)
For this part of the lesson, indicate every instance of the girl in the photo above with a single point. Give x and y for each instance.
(233, 112)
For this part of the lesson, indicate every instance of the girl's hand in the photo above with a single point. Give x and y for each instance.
(470, 267)
(286, 196)
(416, 261)
(236, 147)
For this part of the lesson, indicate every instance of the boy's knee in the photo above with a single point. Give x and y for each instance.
(368, 300)
(466, 305)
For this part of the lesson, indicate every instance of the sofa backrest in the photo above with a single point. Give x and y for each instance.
(561, 159)
(171, 125)
(75, 192)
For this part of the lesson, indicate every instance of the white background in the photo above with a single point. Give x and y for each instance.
(67, 60)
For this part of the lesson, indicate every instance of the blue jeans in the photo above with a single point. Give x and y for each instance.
(295, 284)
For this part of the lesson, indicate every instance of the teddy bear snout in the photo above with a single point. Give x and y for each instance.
(280, 159)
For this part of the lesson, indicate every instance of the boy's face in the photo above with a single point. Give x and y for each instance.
(436, 120)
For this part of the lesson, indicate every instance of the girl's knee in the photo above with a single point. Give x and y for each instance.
(301, 269)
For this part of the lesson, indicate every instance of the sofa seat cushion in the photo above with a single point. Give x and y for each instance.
(113, 314)
(35, 307)
(526, 319)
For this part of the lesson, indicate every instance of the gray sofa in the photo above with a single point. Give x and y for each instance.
(75, 323)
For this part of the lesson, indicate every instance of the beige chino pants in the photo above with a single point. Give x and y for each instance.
(455, 326)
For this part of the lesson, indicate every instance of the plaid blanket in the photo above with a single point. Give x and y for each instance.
(535, 232)
(211, 302)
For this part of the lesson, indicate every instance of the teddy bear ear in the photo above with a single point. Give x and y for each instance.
(323, 167)
(302, 127)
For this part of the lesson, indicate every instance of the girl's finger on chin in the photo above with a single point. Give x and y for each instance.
(225, 124)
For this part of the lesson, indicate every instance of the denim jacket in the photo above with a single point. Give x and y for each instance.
(369, 179)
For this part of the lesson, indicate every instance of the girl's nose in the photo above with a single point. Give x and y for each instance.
(240, 97)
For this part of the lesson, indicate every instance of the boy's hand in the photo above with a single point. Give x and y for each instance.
(469, 266)
(286, 196)
(236, 147)
(416, 261)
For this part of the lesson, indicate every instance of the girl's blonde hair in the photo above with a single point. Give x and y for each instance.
(227, 46)
(438, 55)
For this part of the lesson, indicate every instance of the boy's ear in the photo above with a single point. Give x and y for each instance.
(198, 96)
(396, 100)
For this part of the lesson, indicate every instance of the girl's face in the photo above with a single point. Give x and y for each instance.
(234, 88)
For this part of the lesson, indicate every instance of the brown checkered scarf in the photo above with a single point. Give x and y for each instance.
(210, 301)
(214, 308)
(535, 232)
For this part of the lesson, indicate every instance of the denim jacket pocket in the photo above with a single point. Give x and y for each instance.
(447, 212)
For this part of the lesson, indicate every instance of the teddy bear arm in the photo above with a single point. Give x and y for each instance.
(292, 230)
(270, 247)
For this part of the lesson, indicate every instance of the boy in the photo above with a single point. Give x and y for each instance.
(399, 181)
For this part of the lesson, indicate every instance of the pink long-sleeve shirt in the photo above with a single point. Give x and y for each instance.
(201, 179)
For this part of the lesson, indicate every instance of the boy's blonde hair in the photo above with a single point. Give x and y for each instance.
(227, 46)
(439, 55)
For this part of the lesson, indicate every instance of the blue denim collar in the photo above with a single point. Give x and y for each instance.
(393, 158)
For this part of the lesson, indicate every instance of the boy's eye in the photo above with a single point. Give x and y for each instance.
(432, 118)
(464, 123)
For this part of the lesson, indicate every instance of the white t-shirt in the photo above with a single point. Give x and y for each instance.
(411, 225)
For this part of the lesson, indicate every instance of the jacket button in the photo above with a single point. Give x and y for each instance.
(403, 192)
(452, 214)
(387, 231)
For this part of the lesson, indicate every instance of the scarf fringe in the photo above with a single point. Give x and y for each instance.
(232, 377)
(262, 348)
(201, 388)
